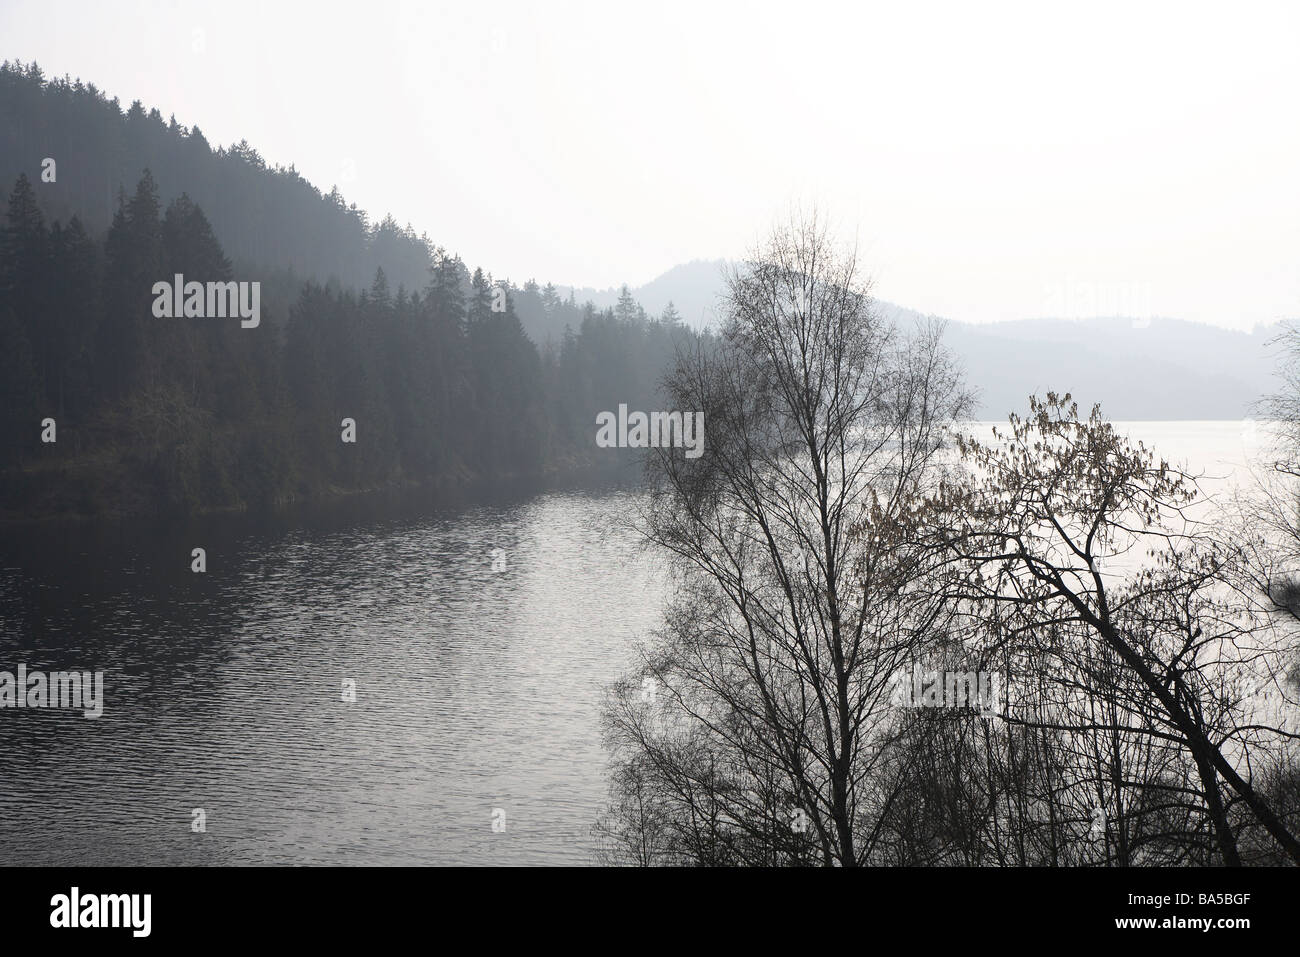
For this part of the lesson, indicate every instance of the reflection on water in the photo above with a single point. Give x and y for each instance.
(475, 690)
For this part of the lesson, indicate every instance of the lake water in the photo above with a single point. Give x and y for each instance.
(477, 690)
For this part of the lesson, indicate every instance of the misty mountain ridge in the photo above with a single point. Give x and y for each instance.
(278, 227)
(1139, 369)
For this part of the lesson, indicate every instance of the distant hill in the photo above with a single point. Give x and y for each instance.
(692, 288)
(1157, 369)
(276, 226)
(158, 414)
(268, 218)
(1137, 369)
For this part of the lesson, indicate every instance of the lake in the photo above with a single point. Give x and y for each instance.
(474, 734)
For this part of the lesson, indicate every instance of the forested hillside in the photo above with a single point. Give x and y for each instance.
(360, 321)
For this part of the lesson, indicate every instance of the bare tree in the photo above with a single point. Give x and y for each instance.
(1052, 513)
(799, 598)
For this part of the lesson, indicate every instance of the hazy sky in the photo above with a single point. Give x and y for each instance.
(992, 161)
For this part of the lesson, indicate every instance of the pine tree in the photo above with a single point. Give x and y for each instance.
(626, 310)
(134, 263)
(74, 317)
(480, 298)
(25, 281)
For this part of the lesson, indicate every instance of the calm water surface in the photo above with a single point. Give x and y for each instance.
(478, 692)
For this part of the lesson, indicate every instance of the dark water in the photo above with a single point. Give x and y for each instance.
(477, 691)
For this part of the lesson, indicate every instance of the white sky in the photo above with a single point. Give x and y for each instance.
(993, 162)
